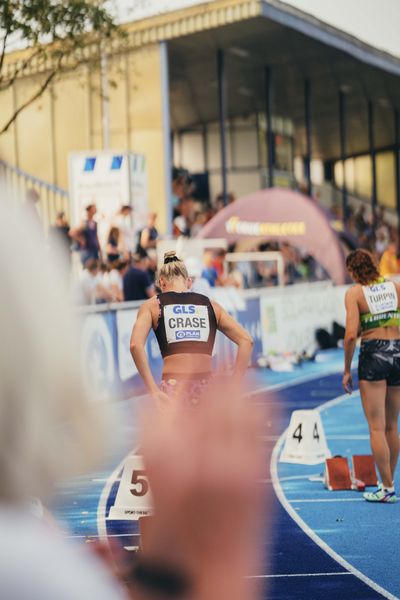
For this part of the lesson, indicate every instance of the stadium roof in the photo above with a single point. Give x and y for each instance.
(297, 47)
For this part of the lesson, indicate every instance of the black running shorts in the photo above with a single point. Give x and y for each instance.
(380, 361)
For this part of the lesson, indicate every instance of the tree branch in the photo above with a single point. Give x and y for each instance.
(23, 66)
(3, 52)
(34, 97)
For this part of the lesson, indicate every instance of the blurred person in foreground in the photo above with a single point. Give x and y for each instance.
(137, 284)
(185, 324)
(48, 430)
(86, 236)
(208, 529)
(207, 499)
(372, 305)
(389, 264)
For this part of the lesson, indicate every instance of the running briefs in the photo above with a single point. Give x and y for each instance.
(379, 360)
(187, 391)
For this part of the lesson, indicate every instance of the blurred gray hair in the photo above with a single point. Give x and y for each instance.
(47, 429)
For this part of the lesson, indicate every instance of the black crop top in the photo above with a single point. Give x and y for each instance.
(186, 325)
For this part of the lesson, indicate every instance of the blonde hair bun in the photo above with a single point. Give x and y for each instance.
(173, 267)
(170, 257)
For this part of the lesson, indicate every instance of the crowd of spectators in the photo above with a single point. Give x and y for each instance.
(190, 215)
(373, 232)
(369, 230)
(122, 268)
(122, 265)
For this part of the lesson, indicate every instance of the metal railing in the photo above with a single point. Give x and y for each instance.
(52, 199)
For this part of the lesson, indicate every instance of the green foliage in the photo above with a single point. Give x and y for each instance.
(56, 32)
(37, 21)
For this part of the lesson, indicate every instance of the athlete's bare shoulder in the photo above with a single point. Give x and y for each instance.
(397, 286)
(354, 291)
(217, 309)
(149, 305)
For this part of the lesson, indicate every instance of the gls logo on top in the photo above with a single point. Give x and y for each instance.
(183, 309)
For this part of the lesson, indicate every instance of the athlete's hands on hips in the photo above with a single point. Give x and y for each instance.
(347, 382)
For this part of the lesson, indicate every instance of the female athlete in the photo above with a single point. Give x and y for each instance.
(185, 324)
(373, 305)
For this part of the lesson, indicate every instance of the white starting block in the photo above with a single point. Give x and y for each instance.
(305, 440)
(133, 498)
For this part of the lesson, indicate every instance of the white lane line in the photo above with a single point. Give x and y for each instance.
(334, 574)
(109, 482)
(274, 438)
(303, 525)
(336, 401)
(305, 500)
(294, 477)
(113, 535)
(348, 437)
(298, 381)
(290, 478)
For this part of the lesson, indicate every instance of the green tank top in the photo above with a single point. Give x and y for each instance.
(381, 297)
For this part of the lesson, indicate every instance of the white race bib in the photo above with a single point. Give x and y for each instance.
(381, 297)
(186, 323)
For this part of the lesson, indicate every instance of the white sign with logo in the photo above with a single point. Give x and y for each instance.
(291, 316)
(109, 179)
(186, 322)
(97, 356)
(381, 297)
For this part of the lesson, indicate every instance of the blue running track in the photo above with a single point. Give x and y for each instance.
(353, 549)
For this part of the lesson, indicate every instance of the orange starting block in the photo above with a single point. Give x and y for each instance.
(337, 474)
(364, 469)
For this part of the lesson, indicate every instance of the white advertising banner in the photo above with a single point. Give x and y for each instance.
(97, 356)
(125, 322)
(101, 178)
(290, 316)
(108, 179)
